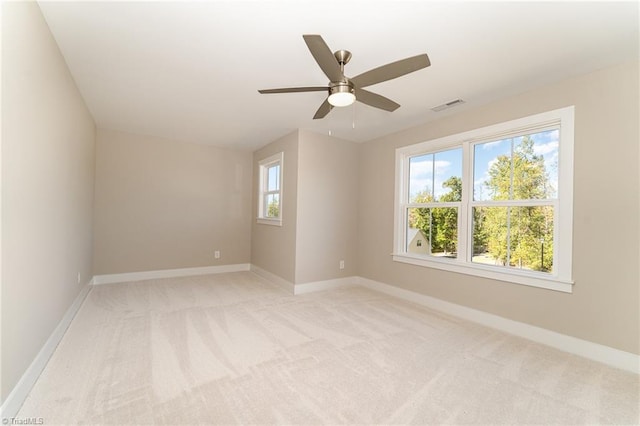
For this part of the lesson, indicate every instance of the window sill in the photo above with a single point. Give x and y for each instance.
(533, 279)
(272, 222)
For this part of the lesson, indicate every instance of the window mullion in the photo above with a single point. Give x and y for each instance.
(511, 175)
(433, 205)
(508, 254)
(433, 176)
(515, 203)
(464, 219)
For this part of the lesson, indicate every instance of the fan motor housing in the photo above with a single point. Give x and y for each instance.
(341, 87)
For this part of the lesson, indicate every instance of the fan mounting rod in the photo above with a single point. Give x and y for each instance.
(343, 57)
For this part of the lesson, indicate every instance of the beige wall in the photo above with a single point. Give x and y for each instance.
(604, 305)
(327, 208)
(163, 204)
(273, 248)
(319, 219)
(48, 140)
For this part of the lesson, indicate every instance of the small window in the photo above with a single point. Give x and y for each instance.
(270, 193)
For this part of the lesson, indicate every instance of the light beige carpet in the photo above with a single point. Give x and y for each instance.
(235, 349)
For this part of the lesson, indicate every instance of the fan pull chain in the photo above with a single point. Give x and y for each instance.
(353, 119)
(330, 121)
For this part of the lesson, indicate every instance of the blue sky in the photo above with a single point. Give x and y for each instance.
(431, 170)
(428, 172)
(273, 179)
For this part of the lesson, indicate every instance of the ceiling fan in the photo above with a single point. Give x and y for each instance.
(343, 91)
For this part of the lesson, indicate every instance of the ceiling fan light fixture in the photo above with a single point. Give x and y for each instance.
(341, 96)
(342, 90)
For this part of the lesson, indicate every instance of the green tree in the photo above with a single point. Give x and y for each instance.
(454, 184)
(446, 218)
(440, 224)
(523, 236)
(273, 209)
(480, 236)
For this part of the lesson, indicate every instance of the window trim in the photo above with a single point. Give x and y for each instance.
(561, 278)
(263, 167)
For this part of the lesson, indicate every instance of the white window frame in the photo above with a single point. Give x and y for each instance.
(561, 277)
(263, 190)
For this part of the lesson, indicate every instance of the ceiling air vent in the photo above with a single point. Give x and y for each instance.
(447, 105)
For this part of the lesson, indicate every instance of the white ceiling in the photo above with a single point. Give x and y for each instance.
(190, 71)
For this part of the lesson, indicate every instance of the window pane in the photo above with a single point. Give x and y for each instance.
(436, 177)
(531, 238)
(490, 235)
(518, 237)
(492, 170)
(418, 231)
(535, 166)
(421, 179)
(433, 231)
(444, 224)
(522, 168)
(448, 175)
(272, 205)
(273, 178)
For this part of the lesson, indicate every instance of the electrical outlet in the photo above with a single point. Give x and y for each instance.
(78, 277)
(216, 254)
(342, 264)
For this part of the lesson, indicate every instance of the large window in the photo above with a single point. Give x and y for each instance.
(494, 202)
(270, 194)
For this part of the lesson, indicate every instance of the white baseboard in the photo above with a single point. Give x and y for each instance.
(168, 273)
(16, 398)
(297, 289)
(584, 348)
(590, 350)
(324, 285)
(275, 279)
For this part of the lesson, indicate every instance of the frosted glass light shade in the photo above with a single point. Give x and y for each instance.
(342, 94)
(342, 99)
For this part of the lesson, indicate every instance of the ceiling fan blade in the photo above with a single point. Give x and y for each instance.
(323, 56)
(295, 89)
(324, 109)
(391, 71)
(375, 100)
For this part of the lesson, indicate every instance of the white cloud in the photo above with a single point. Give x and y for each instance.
(546, 148)
(423, 169)
(490, 164)
(419, 185)
(442, 167)
(489, 145)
